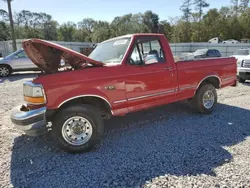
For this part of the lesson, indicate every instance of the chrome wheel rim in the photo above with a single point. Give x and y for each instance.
(208, 99)
(77, 130)
(4, 71)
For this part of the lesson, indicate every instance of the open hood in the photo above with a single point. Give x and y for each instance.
(47, 55)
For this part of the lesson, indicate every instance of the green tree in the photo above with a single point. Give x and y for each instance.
(245, 23)
(151, 21)
(212, 22)
(66, 31)
(4, 31)
(244, 5)
(235, 6)
(87, 24)
(199, 6)
(101, 31)
(186, 9)
(167, 29)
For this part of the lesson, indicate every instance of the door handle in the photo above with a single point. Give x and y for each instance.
(167, 68)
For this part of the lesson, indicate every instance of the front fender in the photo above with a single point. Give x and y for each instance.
(55, 101)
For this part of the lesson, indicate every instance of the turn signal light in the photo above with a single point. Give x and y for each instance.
(34, 100)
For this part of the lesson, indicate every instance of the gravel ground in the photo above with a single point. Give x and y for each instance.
(170, 146)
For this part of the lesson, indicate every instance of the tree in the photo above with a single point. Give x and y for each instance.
(245, 22)
(66, 31)
(151, 20)
(12, 30)
(212, 21)
(200, 5)
(186, 9)
(4, 31)
(87, 24)
(101, 32)
(244, 5)
(4, 15)
(225, 12)
(235, 4)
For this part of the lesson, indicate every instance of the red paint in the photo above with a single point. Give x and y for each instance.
(137, 87)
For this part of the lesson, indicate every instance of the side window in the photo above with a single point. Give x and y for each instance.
(147, 52)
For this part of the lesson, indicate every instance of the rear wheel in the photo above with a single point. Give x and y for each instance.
(77, 128)
(205, 99)
(5, 70)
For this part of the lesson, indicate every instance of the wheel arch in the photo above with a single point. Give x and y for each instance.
(102, 103)
(7, 65)
(211, 79)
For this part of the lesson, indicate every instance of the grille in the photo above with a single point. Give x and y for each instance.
(246, 64)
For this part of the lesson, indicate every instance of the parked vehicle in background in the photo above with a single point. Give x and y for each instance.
(243, 70)
(215, 40)
(206, 53)
(117, 78)
(16, 61)
(245, 40)
(230, 41)
(243, 53)
(243, 64)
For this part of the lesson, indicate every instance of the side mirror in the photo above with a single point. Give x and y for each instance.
(150, 59)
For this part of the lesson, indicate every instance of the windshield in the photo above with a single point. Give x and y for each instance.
(242, 52)
(110, 51)
(21, 52)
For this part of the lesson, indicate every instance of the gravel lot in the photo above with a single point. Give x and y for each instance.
(170, 146)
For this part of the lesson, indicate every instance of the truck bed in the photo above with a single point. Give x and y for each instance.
(191, 73)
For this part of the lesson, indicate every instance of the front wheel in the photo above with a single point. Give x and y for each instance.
(205, 99)
(77, 128)
(4, 71)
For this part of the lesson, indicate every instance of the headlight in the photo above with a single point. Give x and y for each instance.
(239, 63)
(33, 93)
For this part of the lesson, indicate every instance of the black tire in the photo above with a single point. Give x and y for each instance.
(7, 68)
(241, 80)
(89, 112)
(197, 101)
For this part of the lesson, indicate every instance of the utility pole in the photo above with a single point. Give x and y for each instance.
(12, 31)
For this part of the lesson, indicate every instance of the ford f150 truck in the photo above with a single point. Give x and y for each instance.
(122, 75)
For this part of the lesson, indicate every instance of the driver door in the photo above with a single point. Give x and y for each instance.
(150, 77)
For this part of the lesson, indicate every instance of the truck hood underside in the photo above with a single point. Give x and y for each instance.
(47, 55)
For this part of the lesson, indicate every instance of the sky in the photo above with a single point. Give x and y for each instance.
(75, 10)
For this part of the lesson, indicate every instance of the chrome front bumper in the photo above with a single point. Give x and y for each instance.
(242, 69)
(32, 122)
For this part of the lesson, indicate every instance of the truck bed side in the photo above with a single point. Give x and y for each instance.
(220, 71)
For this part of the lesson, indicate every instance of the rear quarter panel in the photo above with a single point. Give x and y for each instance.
(192, 73)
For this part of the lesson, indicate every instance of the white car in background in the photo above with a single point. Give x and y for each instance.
(243, 64)
(230, 41)
(215, 40)
(242, 53)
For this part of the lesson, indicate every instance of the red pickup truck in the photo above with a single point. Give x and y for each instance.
(122, 75)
